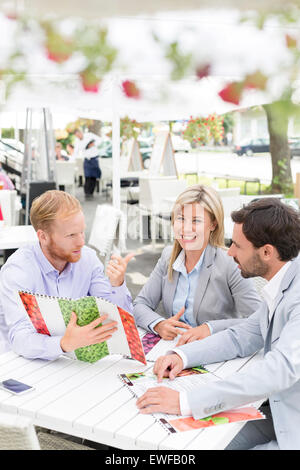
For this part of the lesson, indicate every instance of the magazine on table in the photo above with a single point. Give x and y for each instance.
(50, 315)
(138, 383)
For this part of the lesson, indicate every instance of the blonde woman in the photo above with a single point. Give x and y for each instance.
(199, 285)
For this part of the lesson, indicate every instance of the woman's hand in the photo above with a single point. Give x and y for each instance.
(168, 329)
(199, 332)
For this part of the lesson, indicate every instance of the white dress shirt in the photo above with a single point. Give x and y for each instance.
(269, 293)
(80, 150)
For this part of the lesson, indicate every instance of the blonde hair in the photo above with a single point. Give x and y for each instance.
(50, 206)
(209, 199)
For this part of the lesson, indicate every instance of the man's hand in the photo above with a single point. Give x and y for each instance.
(168, 366)
(116, 269)
(79, 336)
(159, 400)
(168, 329)
(199, 332)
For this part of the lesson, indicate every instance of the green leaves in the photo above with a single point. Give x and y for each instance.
(181, 62)
(200, 130)
(89, 41)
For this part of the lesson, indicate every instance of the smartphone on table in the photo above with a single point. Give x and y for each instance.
(15, 387)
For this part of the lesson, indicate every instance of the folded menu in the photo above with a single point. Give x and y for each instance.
(50, 316)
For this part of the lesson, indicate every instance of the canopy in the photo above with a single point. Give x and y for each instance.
(214, 36)
(101, 8)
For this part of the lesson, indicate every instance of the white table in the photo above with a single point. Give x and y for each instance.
(15, 236)
(89, 401)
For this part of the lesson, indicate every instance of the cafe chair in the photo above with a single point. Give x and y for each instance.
(79, 172)
(109, 225)
(153, 192)
(8, 202)
(65, 175)
(18, 433)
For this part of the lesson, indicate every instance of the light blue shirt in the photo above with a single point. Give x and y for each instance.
(186, 288)
(28, 269)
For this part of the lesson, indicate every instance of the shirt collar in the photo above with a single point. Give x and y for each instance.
(45, 264)
(271, 289)
(179, 263)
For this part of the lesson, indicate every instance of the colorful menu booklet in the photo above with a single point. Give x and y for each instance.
(154, 346)
(50, 316)
(138, 383)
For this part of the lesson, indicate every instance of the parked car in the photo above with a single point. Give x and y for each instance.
(145, 149)
(263, 145)
(180, 144)
(252, 146)
(294, 145)
(105, 149)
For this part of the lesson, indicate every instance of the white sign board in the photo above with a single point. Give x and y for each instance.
(135, 158)
(162, 157)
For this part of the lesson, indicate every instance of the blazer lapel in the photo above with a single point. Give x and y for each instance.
(169, 293)
(264, 319)
(205, 273)
(286, 281)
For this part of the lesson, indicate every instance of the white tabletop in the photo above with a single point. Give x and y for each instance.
(89, 401)
(15, 236)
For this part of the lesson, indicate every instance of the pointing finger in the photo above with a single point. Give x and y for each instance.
(129, 257)
(179, 314)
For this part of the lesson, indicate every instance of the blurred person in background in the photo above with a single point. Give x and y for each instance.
(60, 154)
(5, 181)
(87, 144)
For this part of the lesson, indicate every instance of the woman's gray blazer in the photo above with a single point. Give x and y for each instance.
(222, 293)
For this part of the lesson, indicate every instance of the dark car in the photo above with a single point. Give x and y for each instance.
(106, 151)
(145, 149)
(252, 146)
(294, 145)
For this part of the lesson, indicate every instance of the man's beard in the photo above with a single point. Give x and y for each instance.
(258, 267)
(57, 253)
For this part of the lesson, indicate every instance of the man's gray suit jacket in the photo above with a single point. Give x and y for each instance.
(222, 296)
(276, 376)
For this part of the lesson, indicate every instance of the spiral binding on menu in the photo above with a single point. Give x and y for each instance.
(161, 421)
(57, 297)
(127, 383)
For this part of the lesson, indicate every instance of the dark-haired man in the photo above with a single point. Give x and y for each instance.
(266, 242)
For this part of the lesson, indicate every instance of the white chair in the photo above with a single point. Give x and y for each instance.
(152, 196)
(228, 192)
(8, 202)
(65, 175)
(79, 172)
(106, 174)
(130, 207)
(249, 198)
(109, 224)
(18, 433)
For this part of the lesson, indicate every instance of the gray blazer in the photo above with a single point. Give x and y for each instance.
(276, 376)
(223, 295)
